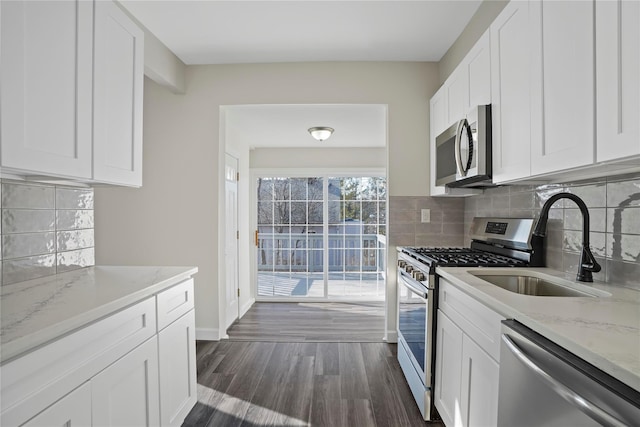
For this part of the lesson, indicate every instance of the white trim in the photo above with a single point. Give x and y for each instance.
(246, 306)
(391, 337)
(207, 334)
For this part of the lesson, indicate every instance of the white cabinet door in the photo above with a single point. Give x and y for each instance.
(479, 388)
(177, 358)
(448, 362)
(46, 83)
(456, 89)
(478, 64)
(73, 410)
(562, 85)
(618, 85)
(510, 83)
(127, 392)
(118, 86)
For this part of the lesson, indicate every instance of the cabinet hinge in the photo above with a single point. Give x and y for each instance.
(238, 234)
(237, 176)
(238, 291)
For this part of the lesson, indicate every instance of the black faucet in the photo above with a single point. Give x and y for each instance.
(588, 263)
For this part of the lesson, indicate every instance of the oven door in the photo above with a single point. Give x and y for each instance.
(413, 314)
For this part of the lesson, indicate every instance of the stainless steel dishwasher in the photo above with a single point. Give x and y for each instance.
(542, 384)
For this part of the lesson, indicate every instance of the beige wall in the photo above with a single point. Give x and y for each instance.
(318, 158)
(173, 218)
(479, 23)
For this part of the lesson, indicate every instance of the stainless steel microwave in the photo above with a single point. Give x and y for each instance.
(463, 151)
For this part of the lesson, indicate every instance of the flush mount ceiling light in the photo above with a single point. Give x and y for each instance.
(321, 133)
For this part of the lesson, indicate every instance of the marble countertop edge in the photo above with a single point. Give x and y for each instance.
(571, 322)
(156, 279)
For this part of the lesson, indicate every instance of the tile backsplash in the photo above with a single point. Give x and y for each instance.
(614, 210)
(445, 228)
(45, 229)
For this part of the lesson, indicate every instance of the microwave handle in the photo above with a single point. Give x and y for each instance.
(463, 125)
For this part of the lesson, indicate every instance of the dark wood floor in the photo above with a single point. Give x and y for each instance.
(301, 383)
(310, 322)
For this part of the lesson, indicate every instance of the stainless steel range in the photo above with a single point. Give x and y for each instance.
(496, 242)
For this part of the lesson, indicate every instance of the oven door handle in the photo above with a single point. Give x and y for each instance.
(588, 408)
(413, 288)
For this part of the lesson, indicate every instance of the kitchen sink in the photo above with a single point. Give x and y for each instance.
(535, 284)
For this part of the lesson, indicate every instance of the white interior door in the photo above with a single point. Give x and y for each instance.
(231, 239)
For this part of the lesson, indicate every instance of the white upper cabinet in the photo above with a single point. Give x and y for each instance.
(562, 85)
(46, 84)
(118, 88)
(510, 101)
(618, 85)
(478, 64)
(71, 83)
(456, 89)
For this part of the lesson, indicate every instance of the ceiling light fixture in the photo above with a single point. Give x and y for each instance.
(321, 133)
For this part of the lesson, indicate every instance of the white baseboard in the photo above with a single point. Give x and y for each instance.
(246, 306)
(207, 334)
(392, 336)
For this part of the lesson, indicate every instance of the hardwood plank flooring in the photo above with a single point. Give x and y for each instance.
(310, 381)
(311, 322)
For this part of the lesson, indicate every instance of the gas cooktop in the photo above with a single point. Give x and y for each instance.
(496, 242)
(460, 257)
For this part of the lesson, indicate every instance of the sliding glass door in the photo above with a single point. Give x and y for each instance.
(320, 237)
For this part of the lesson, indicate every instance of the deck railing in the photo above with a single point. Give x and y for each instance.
(304, 252)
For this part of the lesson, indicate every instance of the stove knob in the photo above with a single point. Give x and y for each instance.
(408, 269)
(419, 276)
(401, 263)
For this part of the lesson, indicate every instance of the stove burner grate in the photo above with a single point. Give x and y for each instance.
(461, 257)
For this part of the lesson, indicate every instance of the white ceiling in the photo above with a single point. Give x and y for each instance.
(267, 31)
(260, 126)
(231, 32)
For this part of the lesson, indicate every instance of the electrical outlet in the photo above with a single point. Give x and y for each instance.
(425, 215)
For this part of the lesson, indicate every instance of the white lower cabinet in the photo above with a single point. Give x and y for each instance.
(479, 397)
(126, 393)
(467, 368)
(177, 357)
(73, 410)
(448, 362)
(135, 367)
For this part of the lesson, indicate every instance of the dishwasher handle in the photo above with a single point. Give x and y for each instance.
(573, 398)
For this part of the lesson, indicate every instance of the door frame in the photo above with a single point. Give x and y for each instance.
(236, 290)
(303, 173)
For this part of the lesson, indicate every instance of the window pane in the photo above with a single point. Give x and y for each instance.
(265, 189)
(315, 189)
(315, 212)
(265, 212)
(370, 212)
(298, 189)
(281, 189)
(298, 212)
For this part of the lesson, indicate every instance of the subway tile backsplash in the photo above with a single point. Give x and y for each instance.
(45, 229)
(614, 210)
(445, 228)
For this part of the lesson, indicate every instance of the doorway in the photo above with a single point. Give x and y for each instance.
(320, 237)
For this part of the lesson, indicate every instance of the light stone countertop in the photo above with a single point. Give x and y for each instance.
(604, 330)
(37, 311)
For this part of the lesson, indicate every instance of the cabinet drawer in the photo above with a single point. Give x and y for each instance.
(174, 302)
(478, 321)
(38, 379)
